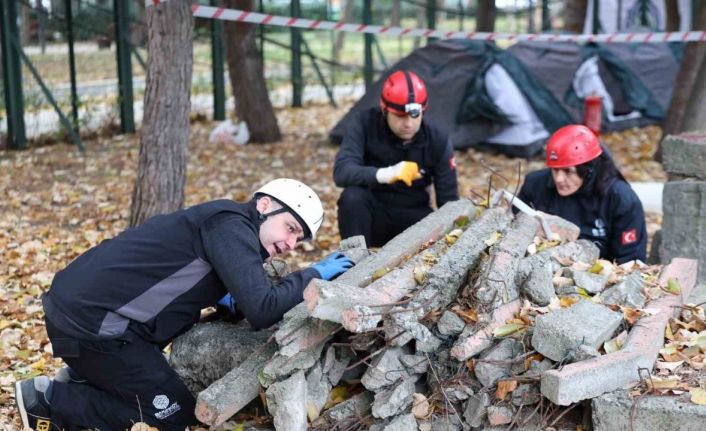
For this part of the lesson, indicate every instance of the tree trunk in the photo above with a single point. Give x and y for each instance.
(25, 25)
(672, 13)
(161, 172)
(396, 13)
(247, 78)
(341, 35)
(575, 15)
(687, 106)
(485, 16)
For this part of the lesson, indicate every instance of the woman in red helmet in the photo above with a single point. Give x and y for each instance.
(388, 160)
(583, 185)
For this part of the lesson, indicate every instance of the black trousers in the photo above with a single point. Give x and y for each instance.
(129, 380)
(361, 213)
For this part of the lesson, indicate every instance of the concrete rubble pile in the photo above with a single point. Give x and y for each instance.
(470, 319)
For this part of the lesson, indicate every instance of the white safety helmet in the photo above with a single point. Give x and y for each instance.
(297, 198)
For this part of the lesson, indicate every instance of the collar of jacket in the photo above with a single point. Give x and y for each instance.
(257, 221)
(417, 141)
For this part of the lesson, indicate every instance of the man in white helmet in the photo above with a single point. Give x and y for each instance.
(111, 311)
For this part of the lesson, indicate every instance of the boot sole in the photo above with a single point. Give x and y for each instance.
(21, 404)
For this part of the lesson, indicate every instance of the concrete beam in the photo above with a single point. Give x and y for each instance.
(474, 344)
(594, 377)
(226, 396)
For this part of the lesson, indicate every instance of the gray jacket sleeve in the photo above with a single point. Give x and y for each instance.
(234, 253)
(349, 168)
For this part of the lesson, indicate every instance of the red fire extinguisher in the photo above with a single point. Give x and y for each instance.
(592, 112)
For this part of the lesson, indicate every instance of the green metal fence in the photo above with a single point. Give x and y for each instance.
(83, 61)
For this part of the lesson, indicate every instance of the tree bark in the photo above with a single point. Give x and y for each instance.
(341, 35)
(672, 13)
(396, 13)
(575, 15)
(161, 172)
(247, 78)
(687, 108)
(485, 15)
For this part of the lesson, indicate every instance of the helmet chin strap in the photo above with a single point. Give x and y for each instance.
(263, 217)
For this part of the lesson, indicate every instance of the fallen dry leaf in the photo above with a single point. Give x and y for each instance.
(504, 388)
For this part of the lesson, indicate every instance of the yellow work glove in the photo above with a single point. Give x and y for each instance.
(402, 171)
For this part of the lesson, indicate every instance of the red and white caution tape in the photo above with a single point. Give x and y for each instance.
(285, 21)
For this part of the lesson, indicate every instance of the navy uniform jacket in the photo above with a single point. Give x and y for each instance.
(615, 222)
(153, 280)
(369, 144)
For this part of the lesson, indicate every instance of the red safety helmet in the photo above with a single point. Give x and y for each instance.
(404, 93)
(572, 145)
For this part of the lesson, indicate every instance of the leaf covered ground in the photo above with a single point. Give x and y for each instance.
(57, 203)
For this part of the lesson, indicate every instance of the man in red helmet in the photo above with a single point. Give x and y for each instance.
(583, 185)
(388, 160)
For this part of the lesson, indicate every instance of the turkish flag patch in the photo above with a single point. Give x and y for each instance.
(628, 237)
(452, 162)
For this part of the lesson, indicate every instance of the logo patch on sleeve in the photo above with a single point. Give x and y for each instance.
(452, 162)
(628, 237)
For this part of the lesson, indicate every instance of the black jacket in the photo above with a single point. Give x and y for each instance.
(614, 222)
(153, 280)
(369, 144)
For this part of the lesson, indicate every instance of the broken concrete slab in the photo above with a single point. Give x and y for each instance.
(496, 364)
(627, 293)
(208, 351)
(426, 341)
(356, 406)
(617, 411)
(218, 402)
(560, 332)
(467, 347)
(562, 229)
(594, 377)
(499, 415)
(342, 303)
(526, 395)
(684, 223)
(685, 154)
(534, 276)
(584, 353)
(394, 400)
(386, 369)
(402, 423)
(281, 366)
(299, 332)
(496, 284)
(475, 409)
(580, 251)
(444, 279)
(450, 323)
(442, 422)
(286, 402)
(415, 364)
(318, 388)
(591, 283)
(335, 362)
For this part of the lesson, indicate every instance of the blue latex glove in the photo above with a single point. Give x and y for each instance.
(333, 265)
(227, 302)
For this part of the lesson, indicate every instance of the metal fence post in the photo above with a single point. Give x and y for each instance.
(297, 81)
(219, 94)
(12, 77)
(72, 62)
(368, 38)
(431, 19)
(122, 49)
